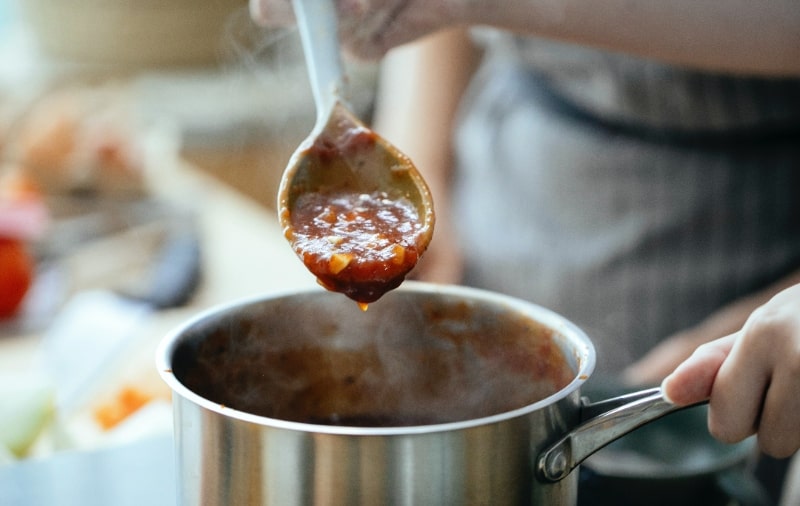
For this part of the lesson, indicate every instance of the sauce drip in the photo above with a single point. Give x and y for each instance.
(359, 244)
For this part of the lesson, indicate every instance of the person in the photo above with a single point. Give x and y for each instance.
(633, 166)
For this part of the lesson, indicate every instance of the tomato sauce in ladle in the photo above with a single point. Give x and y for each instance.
(353, 207)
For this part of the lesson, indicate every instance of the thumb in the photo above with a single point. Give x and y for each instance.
(693, 379)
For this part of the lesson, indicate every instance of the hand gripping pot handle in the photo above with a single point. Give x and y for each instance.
(605, 422)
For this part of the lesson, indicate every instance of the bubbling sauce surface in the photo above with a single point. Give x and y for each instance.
(359, 244)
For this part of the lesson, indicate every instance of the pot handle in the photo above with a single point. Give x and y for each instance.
(607, 421)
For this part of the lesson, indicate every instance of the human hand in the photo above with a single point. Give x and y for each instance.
(751, 378)
(370, 28)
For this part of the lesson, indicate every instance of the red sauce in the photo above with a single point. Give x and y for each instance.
(352, 236)
(361, 245)
(435, 360)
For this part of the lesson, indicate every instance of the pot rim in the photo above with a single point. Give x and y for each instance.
(583, 356)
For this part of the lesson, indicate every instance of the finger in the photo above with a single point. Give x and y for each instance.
(361, 31)
(740, 386)
(369, 32)
(272, 13)
(778, 332)
(692, 381)
(779, 428)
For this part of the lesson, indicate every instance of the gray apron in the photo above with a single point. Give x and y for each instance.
(632, 197)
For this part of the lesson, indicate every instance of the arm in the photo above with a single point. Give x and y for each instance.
(737, 36)
(421, 86)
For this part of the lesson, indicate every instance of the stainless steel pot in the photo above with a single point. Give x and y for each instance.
(434, 395)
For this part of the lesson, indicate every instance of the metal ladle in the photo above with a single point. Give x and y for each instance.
(375, 166)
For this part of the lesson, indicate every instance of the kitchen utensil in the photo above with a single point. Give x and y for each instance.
(436, 395)
(341, 155)
(673, 460)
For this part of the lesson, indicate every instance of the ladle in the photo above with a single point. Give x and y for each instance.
(355, 208)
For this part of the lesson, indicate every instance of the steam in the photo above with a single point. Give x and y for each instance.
(403, 362)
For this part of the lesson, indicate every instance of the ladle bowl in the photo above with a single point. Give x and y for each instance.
(343, 160)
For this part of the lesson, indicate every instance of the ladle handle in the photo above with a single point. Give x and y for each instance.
(317, 23)
(629, 412)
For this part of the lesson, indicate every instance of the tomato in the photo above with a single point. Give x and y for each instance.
(16, 275)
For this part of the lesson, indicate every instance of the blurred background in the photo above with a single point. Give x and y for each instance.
(237, 94)
(142, 143)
